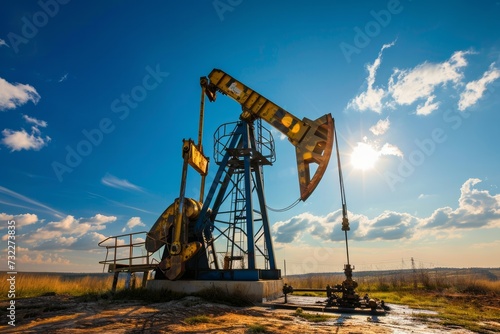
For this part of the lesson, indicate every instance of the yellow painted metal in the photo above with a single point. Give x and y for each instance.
(257, 106)
(175, 247)
(315, 148)
(167, 231)
(196, 159)
(313, 140)
(159, 234)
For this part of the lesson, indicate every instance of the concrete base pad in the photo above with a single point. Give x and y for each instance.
(256, 291)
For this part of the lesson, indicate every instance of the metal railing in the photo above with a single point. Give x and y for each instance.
(122, 253)
(264, 141)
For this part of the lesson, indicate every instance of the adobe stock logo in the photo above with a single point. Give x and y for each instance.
(222, 6)
(31, 26)
(372, 29)
(121, 107)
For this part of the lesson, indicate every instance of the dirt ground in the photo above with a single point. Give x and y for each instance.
(65, 314)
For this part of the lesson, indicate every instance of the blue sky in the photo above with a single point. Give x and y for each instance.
(96, 97)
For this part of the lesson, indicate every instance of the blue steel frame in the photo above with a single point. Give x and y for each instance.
(242, 146)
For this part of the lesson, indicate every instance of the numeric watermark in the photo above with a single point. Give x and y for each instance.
(11, 274)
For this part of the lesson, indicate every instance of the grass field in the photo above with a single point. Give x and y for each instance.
(469, 298)
(474, 280)
(39, 284)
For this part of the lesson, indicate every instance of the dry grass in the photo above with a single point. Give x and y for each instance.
(480, 286)
(35, 284)
(461, 281)
(317, 281)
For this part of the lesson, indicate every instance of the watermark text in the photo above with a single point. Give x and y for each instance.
(11, 274)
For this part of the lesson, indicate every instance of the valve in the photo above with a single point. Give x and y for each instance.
(345, 224)
(286, 290)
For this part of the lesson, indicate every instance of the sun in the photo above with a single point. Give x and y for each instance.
(364, 156)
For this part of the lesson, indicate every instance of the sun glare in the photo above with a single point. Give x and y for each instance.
(364, 156)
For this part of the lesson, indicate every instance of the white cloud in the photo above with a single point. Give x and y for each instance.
(20, 220)
(474, 90)
(22, 140)
(133, 222)
(66, 225)
(101, 219)
(78, 227)
(114, 182)
(86, 242)
(290, 231)
(3, 43)
(428, 107)
(43, 258)
(389, 149)
(477, 209)
(388, 226)
(4, 216)
(56, 242)
(69, 233)
(63, 78)
(371, 99)
(15, 95)
(420, 82)
(374, 149)
(35, 121)
(381, 127)
(477, 202)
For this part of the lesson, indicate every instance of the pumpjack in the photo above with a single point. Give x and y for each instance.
(234, 214)
(190, 230)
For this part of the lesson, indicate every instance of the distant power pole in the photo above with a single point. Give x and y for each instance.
(414, 273)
